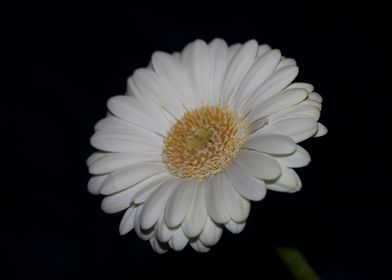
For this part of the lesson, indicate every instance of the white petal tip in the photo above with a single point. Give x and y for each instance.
(321, 131)
(234, 227)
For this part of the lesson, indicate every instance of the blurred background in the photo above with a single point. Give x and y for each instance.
(69, 59)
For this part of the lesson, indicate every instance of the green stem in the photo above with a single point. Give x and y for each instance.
(296, 263)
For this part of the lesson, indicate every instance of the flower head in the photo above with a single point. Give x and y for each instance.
(198, 135)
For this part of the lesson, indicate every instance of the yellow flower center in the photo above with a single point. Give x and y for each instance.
(204, 142)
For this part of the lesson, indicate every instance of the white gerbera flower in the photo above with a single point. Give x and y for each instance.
(198, 135)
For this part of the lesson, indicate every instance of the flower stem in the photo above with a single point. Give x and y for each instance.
(296, 263)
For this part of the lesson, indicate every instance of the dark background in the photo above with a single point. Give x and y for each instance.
(69, 59)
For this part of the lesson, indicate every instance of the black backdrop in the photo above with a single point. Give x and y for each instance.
(71, 58)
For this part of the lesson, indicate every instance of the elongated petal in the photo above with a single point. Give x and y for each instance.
(162, 232)
(308, 87)
(199, 247)
(179, 204)
(278, 102)
(321, 130)
(234, 227)
(219, 61)
(94, 157)
(257, 164)
(145, 193)
(301, 109)
(123, 142)
(173, 76)
(111, 123)
(158, 247)
(95, 182)
(211, 234)
(196, 61)
(142, 233)
(196, 218)
(246, 185)
(179, 240)
(137, 113)
(286, 62)
(273, 85)
(129, 176)
(113, 161)
(238, 67)
(316, 97)
(128, 221)
(214, 201)
(264, 48)
(276, 144)
(123, 199)
(257, 74)
(299, 158)
(299, 128)
(153, 90)
(287, 182)
(155, 205)
(236, 206)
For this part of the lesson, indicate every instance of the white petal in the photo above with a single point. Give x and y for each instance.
(196, 60)
(123, 142)
(118, 202)
(114, 161)
(131, 89)
(300, 158)
(196, 218)
(94, 157)
(155, 205)
(162, 232)
(199, 247)
(232, 51)
(273, 85)
(313, 103)
(276, 144)
(129, 129)
(278, 102)
(214, 201)
(122, 200)
(179, 240)
(235, 227)
(211, 233)
(143, 234)
(173, 76)
(297, 110)
(95, 183)
(179, 204)
(127, 221)
(236, 206)
(321, 130)
(129, 176)
(144, 193)
(316, 97)
(299, 128)
(218, 57)
(154, 91)
(246, 185)
(287, 182)
(111, 123)
(257, 74)
(264, 48)
(238, 67)
(158, 246)
(308, 87)
(143, 115)
(286, 62)
(258, 165)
